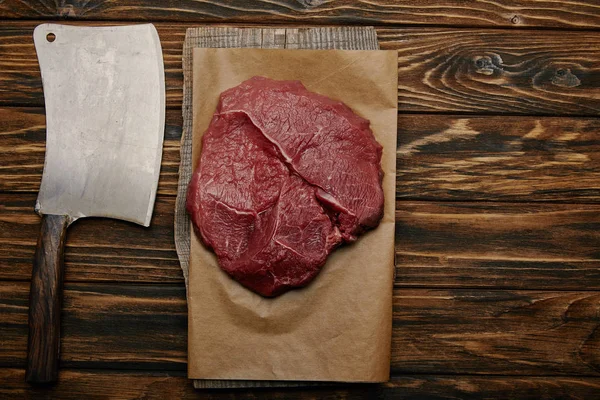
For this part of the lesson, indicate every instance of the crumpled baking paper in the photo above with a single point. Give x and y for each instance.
(339, 327)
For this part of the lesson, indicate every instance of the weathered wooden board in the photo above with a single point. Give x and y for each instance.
(509, 13)
(449, 270)
(464, 304)
(503, 332)
(548, 232)
(498, 158)
(125, 326)
(440, 157)
(135, 326)
(97, 248)
(440, 70)
(78, 384)
(446, 245)
(498, 245)
(496, 71)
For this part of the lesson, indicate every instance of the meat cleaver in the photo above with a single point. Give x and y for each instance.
(104, 90)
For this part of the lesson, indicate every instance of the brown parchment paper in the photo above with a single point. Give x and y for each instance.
(339, 327)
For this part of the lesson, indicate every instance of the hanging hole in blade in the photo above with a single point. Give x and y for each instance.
(51, 37)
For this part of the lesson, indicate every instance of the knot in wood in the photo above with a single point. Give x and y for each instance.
(515, 20)
(563, 77)
(311, 3)
(67, 11)
(480, 63)
(484, 65)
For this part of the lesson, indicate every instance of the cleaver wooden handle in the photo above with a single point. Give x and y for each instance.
(45, 299)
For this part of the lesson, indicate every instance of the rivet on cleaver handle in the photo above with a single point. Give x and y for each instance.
(104, 91)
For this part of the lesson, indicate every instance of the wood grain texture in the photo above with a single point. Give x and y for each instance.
(501, 332)
(440, 70)
(498, 158)
(20, 78)
(78, 384)
(496, 231)
(496, 71)
(498, 245)
(510, 13)
(125, 326)
(486, 245)
(97, 248)
(438, 157)
(45, 300)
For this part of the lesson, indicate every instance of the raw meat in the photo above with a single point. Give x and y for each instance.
(285, 176)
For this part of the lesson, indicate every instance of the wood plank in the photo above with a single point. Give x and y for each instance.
(97, 249)
(509, 13)
(439, 157)
(125, 326)
(498, 158)
(78, 384)
(494, 271)
(549, 232)
(20, 78)
(440, 70)
(121, 326)
(499, 332)
(485, 245)
(23, 146)
(494, 71)
(498, 245)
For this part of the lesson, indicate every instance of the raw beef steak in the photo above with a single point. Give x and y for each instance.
(285, 176)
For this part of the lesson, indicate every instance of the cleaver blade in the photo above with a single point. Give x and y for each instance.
(104, 89)
(104, 92)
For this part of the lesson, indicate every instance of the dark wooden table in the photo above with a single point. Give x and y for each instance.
(498, 205)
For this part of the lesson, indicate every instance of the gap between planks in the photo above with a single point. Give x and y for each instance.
(397, 375)
(397, 286)
(292, 24)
